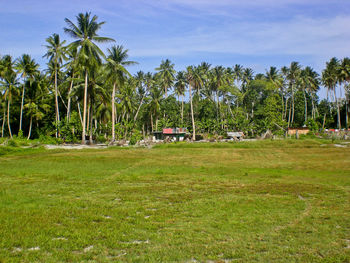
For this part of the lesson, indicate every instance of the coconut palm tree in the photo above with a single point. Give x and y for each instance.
(166, 73)
(36, 105)
(56, 53)
(27, 67)
(194, 79)
(9, 83)
(180, 86)
(117, 73)
(344, 79)
(277, 80)
(293, 77)
(88, 54)
(309, 82)
(330, 79)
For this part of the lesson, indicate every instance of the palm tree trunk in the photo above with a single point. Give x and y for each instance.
(182, 109)
(91, 117)
(152, 121)
(338, 108)
(286, 109)
(324, 121)
(3, 123)
(69, 99)
(282, 106)
(113, 114)
(292, 119)
(84, 113)
(8, 117)
(138, 109)
(57, 109)
(290, 114)
(305, 102)
(79, 111)
(22, 103)
(346, 113)
(30, 127)
(193, 124)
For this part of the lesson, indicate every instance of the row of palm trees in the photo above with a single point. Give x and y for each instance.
(80, 73)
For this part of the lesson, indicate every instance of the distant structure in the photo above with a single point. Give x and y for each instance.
(235, 135)
(173, 134)
(299, 131)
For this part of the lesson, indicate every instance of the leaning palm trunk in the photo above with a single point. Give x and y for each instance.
(113, 113)
(81, 119)
(193, 124)
(30, 127)
(338, 108)
(84, 113)
(8, 118)
(69, 99)
(22, 103)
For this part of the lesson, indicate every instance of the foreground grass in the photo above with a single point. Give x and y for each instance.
(284, 201)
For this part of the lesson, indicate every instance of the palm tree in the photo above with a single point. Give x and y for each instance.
(330, 79)
(194, 79)
(293, 76)
(117, 73)
(9, 82)
(72, 71)
(36, 105)
(309, 82)
(89, 54)
(56, 52)
(166, 75)
(277, 80)
(344, 78)
(27, 67)
(180, 86)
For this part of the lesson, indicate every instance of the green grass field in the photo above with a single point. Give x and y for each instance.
(270, 201)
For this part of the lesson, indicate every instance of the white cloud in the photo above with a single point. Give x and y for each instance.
(299, 36)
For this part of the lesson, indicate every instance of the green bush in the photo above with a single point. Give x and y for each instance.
(12, 143)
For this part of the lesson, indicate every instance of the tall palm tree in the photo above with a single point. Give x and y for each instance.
(117, 73)
(36, 105)
(330, 80)
(56, 52)
(10, 83)
(27, 67)
(180, 86)
(166, 75)
(219, 78)
(309, 82)
(72, 71)
(344, 79)
(293, 77)
(89, 54)
(194, 79)
(277, 80)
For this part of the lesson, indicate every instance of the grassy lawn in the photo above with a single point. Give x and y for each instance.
(271, 201)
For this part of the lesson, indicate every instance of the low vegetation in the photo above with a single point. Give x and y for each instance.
(265, 201)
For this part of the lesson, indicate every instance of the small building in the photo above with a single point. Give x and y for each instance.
(235, 135)
(300, 130)
(173, 134)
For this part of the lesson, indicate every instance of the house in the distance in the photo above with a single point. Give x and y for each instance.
(299, 131)
(173, 134)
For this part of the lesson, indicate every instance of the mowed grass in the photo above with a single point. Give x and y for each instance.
(273, 201)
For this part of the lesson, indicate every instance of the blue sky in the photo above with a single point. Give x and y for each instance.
(254, 33)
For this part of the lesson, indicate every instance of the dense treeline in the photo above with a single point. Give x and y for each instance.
(85, 93)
